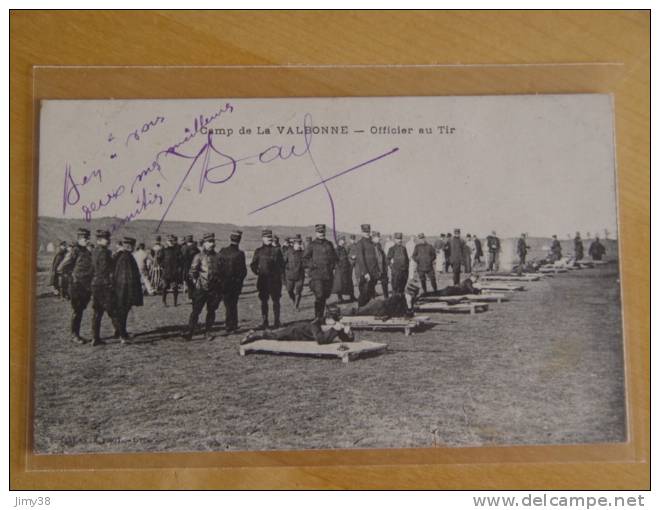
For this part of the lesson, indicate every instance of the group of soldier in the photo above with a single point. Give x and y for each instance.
(115, 282)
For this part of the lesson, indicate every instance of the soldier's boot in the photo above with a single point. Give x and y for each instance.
(298, 298)
(165, 297)
(292, 296)
(386, 291)
(423, 286)
(192, 324)
(264, 315)
(318, 309)
(96, 326)
(176, 295)
(276, 315)
(76, 319)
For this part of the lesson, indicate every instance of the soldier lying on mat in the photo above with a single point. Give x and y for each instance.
(397, 305)
(320, 331)
(466, 287)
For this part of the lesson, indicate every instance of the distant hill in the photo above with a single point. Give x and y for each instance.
(59, 229)
(53, 230)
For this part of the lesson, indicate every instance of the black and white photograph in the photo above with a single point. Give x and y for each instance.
(327, 273)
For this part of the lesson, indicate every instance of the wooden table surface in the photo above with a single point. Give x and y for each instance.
(592, 51)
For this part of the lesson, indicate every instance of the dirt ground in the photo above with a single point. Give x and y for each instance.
(546, 367)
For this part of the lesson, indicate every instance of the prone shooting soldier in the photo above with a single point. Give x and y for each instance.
(320, 257)
(79, 263)
(231, 263)
(268, 264)
(294, 270)
(397, 259)
(102, 282)
(205, 274)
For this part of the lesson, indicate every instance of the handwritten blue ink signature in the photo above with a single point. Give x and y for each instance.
(229, 165)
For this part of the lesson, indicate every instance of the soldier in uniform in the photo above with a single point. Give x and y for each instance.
(493, 244)
(555, 249)
(381, 258)
(321, 331)
(55, 280)
(320, 258)
(397, 259)
(188, 252)
(439, 246)
(156, 272)
(366, 263)
(596, 249)
(447, 253)
(460, 256)
(579, 247)
(398, 305)
(78, 262)
(127, 286)
(102, 281)
(352, 257)
(478, 251)
(233, 270)
(424, 257)
(521, 249)
(171, 261)
(268, 264)
(205, 274)
(343, 280)
(294, 270)
(286, 245)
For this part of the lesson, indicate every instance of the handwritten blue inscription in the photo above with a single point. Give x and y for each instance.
(211, 165)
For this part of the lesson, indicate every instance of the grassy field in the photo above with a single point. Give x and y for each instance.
(546, 367)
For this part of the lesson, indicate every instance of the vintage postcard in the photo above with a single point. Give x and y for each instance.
(320, 273)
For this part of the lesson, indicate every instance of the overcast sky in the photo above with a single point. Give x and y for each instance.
(540, 164)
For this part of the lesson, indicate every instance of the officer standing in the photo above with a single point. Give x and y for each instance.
(397, 259)
(424, 257)
(171, 262)
(294, 270)
(268, 264)
(156, 272)
(102, 280)
(493, 244)
(596, 249)
(188, 252)
(320, 257)
(231, 264)
(342, 283)
(78, 262)
(555, 249)
(447, 253)
(382, 264)
(127, 286)
(439, 246)
(459, 256)
(366, 265)
(579, 247)
(55, 280)
(205, 274)
(522, 249)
